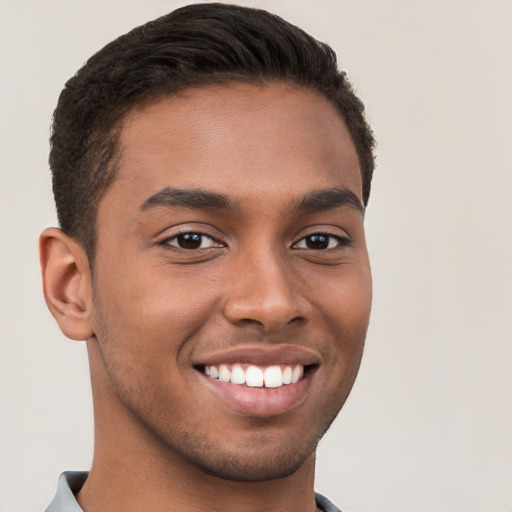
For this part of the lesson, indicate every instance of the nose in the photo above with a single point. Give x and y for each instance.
(265, 292)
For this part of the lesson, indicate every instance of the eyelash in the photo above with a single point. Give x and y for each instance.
(340, 241)
(197, 234)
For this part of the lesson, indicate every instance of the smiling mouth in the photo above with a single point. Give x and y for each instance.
(259, 381)
(272, 376)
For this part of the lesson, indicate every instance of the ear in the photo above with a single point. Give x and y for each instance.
(66, 283)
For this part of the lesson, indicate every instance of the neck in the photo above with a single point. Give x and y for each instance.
(139, 487)
(132, 471)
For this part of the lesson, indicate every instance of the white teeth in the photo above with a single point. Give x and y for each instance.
(237, 375)
(297, 373)
(224, 373)
(287, 375)
(254, 377)
(273, 377)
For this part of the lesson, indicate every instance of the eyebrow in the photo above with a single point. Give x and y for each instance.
(188, 198)
(328, 199)
(312, 202)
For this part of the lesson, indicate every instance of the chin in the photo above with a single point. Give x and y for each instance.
(258, 467)
(262, 453)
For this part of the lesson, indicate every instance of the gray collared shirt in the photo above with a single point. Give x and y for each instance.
(70, 482)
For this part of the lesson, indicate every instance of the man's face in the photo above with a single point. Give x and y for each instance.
(232, 242)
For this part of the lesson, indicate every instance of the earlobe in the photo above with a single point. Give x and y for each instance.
(66, 283)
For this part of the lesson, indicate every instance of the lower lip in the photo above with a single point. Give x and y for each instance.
(260, 402)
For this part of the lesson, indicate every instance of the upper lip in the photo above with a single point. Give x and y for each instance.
(258, 355)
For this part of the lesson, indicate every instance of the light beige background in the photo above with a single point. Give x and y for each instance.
(429, 424)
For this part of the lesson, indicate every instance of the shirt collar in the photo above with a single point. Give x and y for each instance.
(70, 482)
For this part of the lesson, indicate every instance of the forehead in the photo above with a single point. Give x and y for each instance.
(239, 139)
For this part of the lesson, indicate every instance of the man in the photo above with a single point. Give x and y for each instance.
(211, 170)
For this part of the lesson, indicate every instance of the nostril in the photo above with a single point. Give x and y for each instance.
(249, 321)
(271, 324)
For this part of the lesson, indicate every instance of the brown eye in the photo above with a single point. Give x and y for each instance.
(321, 242)
(191, 241)
(317, 242)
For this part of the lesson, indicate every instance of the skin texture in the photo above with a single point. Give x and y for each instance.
(153, 312)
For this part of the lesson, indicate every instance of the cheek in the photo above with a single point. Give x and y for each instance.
(344, 312)
(343, 298)
(152, 314)
(348, 318)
